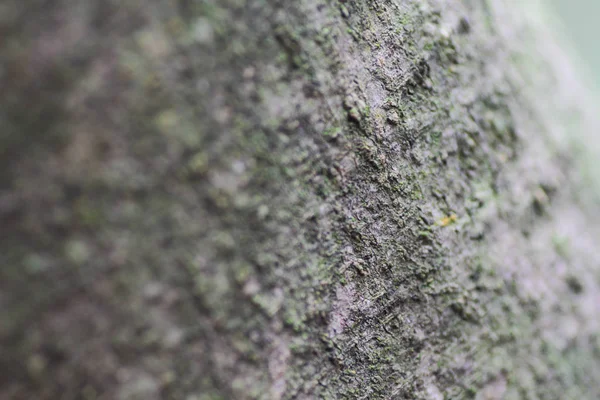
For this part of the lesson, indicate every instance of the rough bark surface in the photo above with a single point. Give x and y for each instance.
(230, 199)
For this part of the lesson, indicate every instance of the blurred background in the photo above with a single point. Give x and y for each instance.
(581, 23)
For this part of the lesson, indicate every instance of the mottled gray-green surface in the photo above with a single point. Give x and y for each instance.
(229, 199)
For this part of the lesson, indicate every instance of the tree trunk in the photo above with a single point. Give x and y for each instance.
(229, 199)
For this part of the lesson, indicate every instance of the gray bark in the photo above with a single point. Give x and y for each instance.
(228, 199)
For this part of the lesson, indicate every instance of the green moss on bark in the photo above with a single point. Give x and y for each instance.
(310, 200)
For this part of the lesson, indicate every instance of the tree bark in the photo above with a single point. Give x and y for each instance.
(228, 199)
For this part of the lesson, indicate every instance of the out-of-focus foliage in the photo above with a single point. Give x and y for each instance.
(580, 20)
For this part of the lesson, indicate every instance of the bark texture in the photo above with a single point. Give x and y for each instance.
(231, 199)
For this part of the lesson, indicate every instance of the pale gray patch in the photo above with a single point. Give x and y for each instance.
(278, 365)
(376, 94)
(494, 390)
(345, 299)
